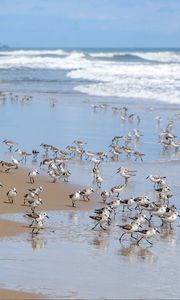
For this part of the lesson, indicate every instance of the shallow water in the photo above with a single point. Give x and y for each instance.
(31, 123)
(69, 260)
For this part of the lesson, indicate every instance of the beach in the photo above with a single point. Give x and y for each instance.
(38, 110)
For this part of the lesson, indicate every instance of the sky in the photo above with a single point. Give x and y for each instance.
(90, 23)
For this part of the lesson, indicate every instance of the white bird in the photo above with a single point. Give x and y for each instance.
(35, 203)
(85, 193)
(99, 181)
(105, 195)
(37, 224)
(29, 197)
(147, 233)
(32, 175)
(37, 190)
(34, 215)
(129, 229)
(15, 162)
(75, 197)
(11, 195)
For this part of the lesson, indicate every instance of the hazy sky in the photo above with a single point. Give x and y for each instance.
(90, 23)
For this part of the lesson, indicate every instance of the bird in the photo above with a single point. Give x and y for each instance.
(35, 203)
(34, 215)
(105, 195)
(129, 229)
(147, 233)
(15, 162)
(101, 219)
(10, 144)
(23, 154)
(29, 197)
(98, 180)
(75, 197)
(127, 203)
(126, 173)
(117, 189)
(37, 224)
(32, 175)
(156, 179)
(85, 193)
(11, 195)
(37, 190)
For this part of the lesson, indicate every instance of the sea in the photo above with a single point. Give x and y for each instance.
(147, 74)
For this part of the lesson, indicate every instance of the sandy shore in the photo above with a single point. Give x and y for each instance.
(55, 197)
(8, 294)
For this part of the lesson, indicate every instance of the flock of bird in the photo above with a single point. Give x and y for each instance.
(56, 160)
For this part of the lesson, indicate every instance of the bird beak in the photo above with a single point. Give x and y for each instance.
(147, 177)
(157, 231)
(47, 217)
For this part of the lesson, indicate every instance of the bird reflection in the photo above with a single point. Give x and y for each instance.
(38, 242)
(100, 241)
(134, 253)
(73, 216)
(168, 235)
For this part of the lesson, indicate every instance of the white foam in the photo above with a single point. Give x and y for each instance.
(109, 78)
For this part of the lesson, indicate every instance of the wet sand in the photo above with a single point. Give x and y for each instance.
(8, 294)
(55, 197)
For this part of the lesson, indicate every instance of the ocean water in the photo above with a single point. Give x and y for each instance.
(148, 74)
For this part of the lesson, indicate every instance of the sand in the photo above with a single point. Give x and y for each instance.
(55, 197)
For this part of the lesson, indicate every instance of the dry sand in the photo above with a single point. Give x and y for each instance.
(55, 196)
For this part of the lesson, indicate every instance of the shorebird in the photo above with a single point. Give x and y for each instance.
(75, 197)
(15, 162)
(114, 205)
(101, 219)
(35, 154)
(35, 203)
(141, 201)
(129, 229)
(11, 195)
(156, 179)
(169, 216)
(127, 203)
(46, 147)
(117, 189)
(37, 224)
(99, 181)
(126, 173)
(138, 154)
(65, 175)
(147, 233)
(34, 215)
(23, 154)
(32, 175)
(85, 193)
(105, 195)
(29, 197)
(10, 144)
(7, 165)
(37, 190)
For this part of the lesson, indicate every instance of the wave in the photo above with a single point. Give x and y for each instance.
(149, 57)
(123, 58)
